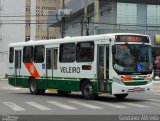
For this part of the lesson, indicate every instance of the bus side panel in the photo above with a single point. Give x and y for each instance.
(95, 87)
(20, 82)
(42, 83)
(66, 85)
(11, 81)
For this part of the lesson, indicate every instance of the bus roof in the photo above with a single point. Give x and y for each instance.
(70, 39)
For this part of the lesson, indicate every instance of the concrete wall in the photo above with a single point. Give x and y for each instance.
(3, 64)
(12, 28)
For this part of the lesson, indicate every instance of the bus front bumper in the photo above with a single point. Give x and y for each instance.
(122, 89)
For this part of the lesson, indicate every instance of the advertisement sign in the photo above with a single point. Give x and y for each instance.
(157, 39)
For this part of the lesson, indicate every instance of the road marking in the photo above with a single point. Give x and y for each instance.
(36, 105)
(85, 105)
(13, 106)
(136, 105)
(61, 105)
(110, 104)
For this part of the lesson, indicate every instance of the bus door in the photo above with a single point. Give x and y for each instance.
(17, 65)
(51, 65)
(103, 68)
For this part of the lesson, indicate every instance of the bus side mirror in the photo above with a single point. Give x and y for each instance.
(113, 49)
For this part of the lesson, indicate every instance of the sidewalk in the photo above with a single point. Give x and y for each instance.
(156, 85)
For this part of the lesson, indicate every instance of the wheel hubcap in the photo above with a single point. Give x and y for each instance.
(88, 90)
(33, 86)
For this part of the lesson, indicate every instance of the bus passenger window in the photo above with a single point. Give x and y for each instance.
(85, 52)
(11, 55)
(28, 54)
(39, 54)
(67, 52)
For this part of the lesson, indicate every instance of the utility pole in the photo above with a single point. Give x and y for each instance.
(84, 26)
(63, 13)
(47, 31)
(63, 20)
(96, 15)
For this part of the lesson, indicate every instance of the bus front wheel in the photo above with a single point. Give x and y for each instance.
(120, 96)
(33, 87)
(87, 91)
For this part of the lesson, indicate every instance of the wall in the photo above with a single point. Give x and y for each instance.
(12, 28)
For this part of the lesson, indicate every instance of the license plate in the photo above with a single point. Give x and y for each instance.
(137, 89)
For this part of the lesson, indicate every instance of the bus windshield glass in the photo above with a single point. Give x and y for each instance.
(132, 59)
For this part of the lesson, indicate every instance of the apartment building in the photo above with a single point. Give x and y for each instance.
(37, 12)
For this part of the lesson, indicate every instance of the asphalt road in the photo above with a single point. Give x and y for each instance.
(19, 101)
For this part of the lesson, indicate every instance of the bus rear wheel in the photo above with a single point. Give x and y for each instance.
(87, 91)
(120, 96)
(33, 87)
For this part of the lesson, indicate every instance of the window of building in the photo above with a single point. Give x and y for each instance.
(28, 9)
(39, 54)
(27, 38)
(11, 54)
(27, 23)
(153, 15)
(28, 54)
(85, 52)
(126, 14)
(67, 52)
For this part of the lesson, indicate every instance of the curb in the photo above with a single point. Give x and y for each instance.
(3, 79)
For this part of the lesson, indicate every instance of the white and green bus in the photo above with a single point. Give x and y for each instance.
(118, 64)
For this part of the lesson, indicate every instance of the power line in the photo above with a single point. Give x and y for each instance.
(102, 23)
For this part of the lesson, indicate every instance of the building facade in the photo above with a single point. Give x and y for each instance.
(23, 21)
(118, 16)
(37, 12)
(12, 28)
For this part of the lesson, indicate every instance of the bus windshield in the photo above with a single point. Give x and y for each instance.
(132, 59)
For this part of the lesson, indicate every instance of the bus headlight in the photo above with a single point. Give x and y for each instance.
(118, 80)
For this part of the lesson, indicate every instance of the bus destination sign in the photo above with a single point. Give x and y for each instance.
(132, 38)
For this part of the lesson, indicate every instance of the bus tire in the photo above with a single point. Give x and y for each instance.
(33, 87)
(87, 91)
(63, 92)
(120, 96)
